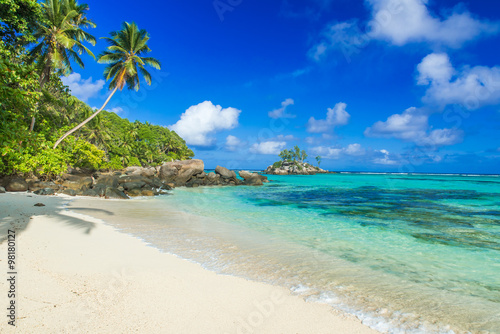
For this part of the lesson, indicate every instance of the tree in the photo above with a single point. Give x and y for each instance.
(318, 159)
(61, 38)
(303, 156)
(284, 155)
(296, 153)
(125, 60)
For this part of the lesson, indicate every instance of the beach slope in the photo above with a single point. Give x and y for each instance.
(75, 274)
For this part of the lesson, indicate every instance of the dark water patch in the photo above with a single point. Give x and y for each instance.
(426, 214)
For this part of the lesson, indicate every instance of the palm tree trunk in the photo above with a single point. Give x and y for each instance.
(85, 121)
(33, 121)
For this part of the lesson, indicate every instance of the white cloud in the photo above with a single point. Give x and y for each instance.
(435, 67)
(116, 110)
(400, 22)
(268, 147)
(335, 116)
(200, 122)
(413, 125)
(354, 149)
(472, 87)
(285, 137)
(384, 158)
(406, 21)
(233, 143)
(336, 152)
(281, 112)
(82, 89)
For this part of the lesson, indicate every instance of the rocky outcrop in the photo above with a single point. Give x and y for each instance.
(253, 179)
(2, 190)
(133, 181)
(293, 168)
(181, 172)
(16, 184)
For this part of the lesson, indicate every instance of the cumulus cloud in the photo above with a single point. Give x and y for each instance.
(82, 89)
(338, 152)
(384, 158)
(336, 116)
(200, 122)
(401, 22)
(233, 143)
(281, 112)
(116, 110)
(413, 126)
(405, 21)
(472, 87)
(268, 147)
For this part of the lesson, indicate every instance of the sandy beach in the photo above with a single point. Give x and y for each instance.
(76, 274)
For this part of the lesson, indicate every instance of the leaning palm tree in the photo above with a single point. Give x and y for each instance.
(61, 38)
(125, 60)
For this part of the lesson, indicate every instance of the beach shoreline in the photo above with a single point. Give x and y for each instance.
(77, 274)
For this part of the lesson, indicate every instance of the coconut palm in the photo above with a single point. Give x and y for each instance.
(125, 60)
(60, 38)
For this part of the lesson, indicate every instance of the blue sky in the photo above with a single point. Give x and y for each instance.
(369, 85)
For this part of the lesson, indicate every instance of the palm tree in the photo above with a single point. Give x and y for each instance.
(125, 60)
(61, 38)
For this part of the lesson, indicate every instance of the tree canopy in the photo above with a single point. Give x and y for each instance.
(108, 142)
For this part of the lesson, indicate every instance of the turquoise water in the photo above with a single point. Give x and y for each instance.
(404, 253)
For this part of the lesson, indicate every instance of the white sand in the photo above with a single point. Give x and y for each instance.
(79, 275)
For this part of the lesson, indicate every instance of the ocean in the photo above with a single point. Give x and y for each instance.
(404, 253)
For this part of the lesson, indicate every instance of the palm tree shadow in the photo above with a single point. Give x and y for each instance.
(20, 220)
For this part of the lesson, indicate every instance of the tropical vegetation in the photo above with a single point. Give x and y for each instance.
(38, 44)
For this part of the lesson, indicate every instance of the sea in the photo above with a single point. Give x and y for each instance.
(405, 253)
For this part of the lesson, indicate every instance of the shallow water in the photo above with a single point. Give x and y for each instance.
(404, 253)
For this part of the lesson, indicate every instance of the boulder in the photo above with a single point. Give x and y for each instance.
(77, 182)
(71, 192)
(180, 172)
(133, 185)
(134, 192)
(16, 184)
(134, 178)
(147, 172)
(168, 173)
(91, 193)
(35, 185)
(246, 175)
(45, 191)
(147, 192)
(2, 190)
(113, 193)
(212, 179)
(253, 181)
(108, 180)
(225, 173)
(98, 189)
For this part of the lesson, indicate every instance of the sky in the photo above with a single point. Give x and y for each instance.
(368, 85)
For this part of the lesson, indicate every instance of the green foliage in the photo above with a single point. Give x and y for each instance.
(134, 162)
(125, 57)
(293, 155)
(60, 37)
(114, 164)
(107, 142)
(277, 164)
(84, 154)
(318, 159)
(17, 21)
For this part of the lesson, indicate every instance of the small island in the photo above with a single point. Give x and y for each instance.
(293, 163)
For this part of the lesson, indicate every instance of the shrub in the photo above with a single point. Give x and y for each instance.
(115, 163)
(277, 164)
(134, 162)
